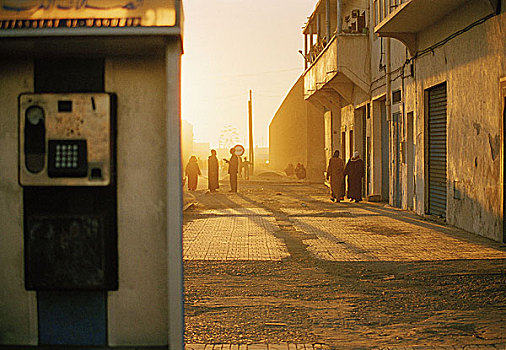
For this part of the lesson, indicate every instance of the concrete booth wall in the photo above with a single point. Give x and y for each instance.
(18, 307)
(144, 309)
(137, 311)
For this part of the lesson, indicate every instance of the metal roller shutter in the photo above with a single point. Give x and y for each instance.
(437, 151)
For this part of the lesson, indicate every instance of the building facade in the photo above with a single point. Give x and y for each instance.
(417, 88)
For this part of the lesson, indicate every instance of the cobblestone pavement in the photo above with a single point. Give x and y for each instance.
(279, 266)
(233, 234)
(256, 347)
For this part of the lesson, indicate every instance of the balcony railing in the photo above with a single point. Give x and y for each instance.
(383, 8)
(331, 18)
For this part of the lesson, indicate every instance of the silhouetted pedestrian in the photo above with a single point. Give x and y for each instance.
(233, 168)
(300, 171)
(192, 171)
(289, 170)
(245, 166)
(355, 171)
(213, 172)
(335, 173)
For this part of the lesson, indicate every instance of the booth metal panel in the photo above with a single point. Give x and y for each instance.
(70, 318)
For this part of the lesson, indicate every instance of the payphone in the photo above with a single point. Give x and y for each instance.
(65, 139)
(67, 170)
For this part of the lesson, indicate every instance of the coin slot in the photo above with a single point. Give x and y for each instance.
(96, 174)
(64, 106)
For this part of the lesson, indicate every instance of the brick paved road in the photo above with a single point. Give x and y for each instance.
(327, 257)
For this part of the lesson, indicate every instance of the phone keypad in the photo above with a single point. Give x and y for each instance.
(67, 158)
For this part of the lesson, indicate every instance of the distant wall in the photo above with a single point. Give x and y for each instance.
(315, 163)
(287, 131)
(296, 134)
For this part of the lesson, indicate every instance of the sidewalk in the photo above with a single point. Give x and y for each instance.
(324, 347)
(256, 347)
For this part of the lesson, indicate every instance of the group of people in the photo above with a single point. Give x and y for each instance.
(299, 171)
(235, 166)
(336, 173)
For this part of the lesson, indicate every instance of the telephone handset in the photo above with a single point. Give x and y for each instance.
(35, 139)
(65, 139)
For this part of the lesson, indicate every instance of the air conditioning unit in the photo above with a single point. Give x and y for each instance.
(355, 13)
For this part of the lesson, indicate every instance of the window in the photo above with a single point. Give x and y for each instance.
(396, 96)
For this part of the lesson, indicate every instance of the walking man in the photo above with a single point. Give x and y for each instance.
(233, 168)
(335, 173)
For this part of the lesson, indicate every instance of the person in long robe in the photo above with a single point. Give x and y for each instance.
(300, 171)
(212, 172)
(246, 165)
(192, 171)
(289, 170)
(335, 173)
(233, 168)
(355, 171)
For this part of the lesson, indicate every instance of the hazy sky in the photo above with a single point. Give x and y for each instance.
(232, 46)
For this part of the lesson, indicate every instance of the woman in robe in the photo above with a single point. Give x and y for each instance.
(335, 173)
(212, 172)
(355, 171)
(192, 171)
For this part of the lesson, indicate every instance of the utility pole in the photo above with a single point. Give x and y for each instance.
(250, 119)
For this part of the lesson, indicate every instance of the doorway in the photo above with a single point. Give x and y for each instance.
(328, 135)
(396, 153)
(410, 158)
(351, 141)
(385, 164)
(503, 92)
(437, 149)
(343, 145)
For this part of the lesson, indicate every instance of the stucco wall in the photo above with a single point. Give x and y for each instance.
(18, 307)
(472, 65)
(138, 310)
(296, 134)
(288, 130)
(316, 144)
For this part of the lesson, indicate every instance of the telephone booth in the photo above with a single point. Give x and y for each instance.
(90, 185)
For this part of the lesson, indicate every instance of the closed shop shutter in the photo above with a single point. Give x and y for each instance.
(437, 151)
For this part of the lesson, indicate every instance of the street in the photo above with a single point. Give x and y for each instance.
(279, 266)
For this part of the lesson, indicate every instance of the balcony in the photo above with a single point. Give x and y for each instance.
(403, 19)
(338, 70)
(335, 48)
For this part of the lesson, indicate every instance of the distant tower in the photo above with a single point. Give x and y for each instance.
(229, 137)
